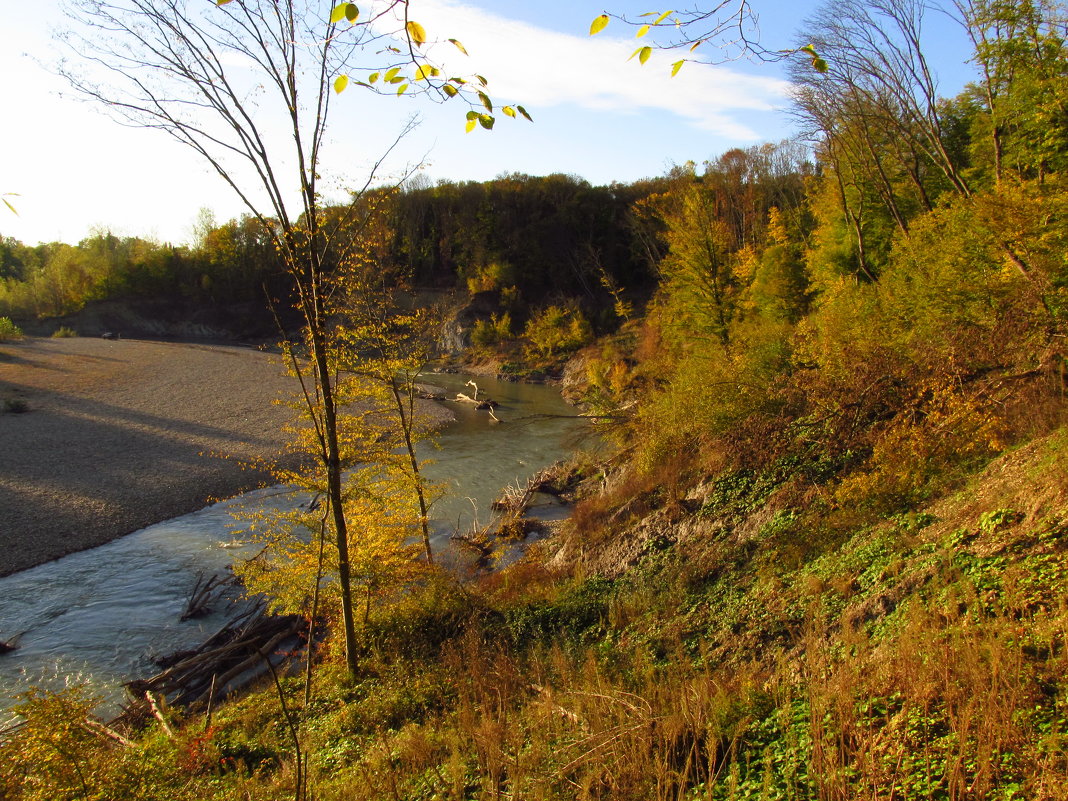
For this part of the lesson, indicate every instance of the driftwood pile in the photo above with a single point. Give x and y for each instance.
(228, 660)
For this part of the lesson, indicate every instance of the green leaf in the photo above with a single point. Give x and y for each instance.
(642, 53)
(472, 115)
(13, 209)
(471, 124)
(482, 80)
(391, 73)
(340, 83)
(598, 24)
(450, 90)
(484, 98)
(459, 46)
(663, 17)
(810, 49)
(486, 121)
(337, 13)
(416, 32)
(523, 111)
(218, 3)
(676, 67)
(508, 111)
(819, 64)
(352, 12)
(402, 88)
(644, 29)
(398, 79)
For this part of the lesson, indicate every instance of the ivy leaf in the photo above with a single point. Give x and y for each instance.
(340, 83)
(486, 121)
(523, 111)
(459, 46)
(644, 29)
(676, 67)
(482, 96)
(508, 111)
(598, 24)
(416, 32)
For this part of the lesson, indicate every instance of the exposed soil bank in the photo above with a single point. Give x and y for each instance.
(119, 434)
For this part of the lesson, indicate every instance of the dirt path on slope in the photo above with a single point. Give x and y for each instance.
(120, 434)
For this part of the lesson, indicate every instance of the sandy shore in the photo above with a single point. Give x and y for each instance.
(120, 434)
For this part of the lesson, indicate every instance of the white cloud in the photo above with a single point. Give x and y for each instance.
(542, 68)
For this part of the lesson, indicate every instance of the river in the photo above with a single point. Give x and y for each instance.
(98, 616)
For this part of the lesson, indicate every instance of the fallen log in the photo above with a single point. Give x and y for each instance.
(210, 670)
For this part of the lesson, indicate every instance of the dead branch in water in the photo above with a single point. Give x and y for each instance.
(216, 666)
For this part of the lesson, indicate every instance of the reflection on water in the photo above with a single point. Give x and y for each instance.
(100, 615)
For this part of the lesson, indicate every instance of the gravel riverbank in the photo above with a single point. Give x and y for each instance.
(119, 434)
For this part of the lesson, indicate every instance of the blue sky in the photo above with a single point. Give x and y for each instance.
(596, 115)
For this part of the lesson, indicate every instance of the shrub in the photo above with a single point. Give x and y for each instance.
(63, 332)
(557, 330)
(490, 332)
(15, 406)
(8, 330)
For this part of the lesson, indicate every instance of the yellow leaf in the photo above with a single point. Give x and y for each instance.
(459, 46)
(508, 111)
(598, 24)
(676, 67)
(482, 96)
(416, 33)
(373, 77)
(340, 83)
(663, 17)
(337, 13)
(391, 73)
(450, 90)
(644, 29)
(401, 89)
(471, 125)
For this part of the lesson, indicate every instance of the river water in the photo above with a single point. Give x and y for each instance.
(98, 616)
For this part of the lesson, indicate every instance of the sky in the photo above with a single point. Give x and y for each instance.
(71, 170)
